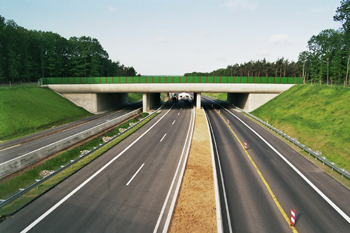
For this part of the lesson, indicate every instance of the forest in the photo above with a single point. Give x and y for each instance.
(28, 55)
(326, 59)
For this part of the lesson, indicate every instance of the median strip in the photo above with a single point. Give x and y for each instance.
(195, 210)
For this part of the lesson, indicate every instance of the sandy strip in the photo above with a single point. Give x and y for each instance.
(195, 210)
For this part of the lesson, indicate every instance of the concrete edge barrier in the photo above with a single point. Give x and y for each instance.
(32, 157)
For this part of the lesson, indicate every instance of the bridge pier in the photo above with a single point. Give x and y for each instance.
(249, 101)
(97, 102)
(150, 101)
(197, 99)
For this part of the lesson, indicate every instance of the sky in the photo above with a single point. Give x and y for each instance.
(173, 37)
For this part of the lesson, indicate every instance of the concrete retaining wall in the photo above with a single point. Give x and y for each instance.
(25, 160)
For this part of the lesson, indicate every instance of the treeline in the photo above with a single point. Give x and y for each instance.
(326, 60)
(328, 55)
(27, 55)
(281, 68)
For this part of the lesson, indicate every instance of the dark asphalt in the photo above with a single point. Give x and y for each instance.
(13, 149)
(106, 203)
(251, 207)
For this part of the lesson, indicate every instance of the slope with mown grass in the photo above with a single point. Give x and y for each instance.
(319, 116)
(26, 110)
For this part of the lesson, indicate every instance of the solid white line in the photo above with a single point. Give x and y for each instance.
(216, 186)
(167, 223)
(135, 174)
(55, 142)
(28, 228)
(162, 137)
(173, 122)
(329, 201)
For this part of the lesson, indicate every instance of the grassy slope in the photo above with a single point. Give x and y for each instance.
(25, 110)
(134, 97)
(318, 115)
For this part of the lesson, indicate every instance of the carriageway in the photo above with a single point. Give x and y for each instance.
(97, 94)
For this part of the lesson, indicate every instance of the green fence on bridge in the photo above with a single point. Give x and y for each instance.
(170, 79)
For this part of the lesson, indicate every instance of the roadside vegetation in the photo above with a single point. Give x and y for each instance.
(134, 97)
(29, 109)
(26, 110)
(12, 185)
(317, 115)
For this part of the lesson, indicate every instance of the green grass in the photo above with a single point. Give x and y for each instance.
(220, 96)
(319, 116)
(134, 97)
(26, 110)
(28, 177)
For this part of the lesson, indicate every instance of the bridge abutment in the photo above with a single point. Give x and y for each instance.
(249, 101)
(98, 102)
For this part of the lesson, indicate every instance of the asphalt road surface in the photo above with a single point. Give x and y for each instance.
(127, 189)
(251, 206)
(12, 149)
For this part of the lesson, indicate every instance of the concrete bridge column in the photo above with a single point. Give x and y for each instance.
(197, 98)
(150, 101)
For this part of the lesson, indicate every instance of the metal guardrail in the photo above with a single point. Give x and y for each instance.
(22, 191)
(324, 160)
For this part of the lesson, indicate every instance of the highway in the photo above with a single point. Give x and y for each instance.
(127, 189)
(12, 149)
(261, 188)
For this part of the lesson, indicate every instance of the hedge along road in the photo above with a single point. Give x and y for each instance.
(124, 190)
(252, 207)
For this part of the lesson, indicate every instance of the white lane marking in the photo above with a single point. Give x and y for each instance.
(329, 201)
(135, 174)
(173, 122)
(172, 206)
(72, 136)
(178, 114)
(163, 137)
(28, 228)
(216, 186)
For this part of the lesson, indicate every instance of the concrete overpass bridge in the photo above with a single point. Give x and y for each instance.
(101, 93)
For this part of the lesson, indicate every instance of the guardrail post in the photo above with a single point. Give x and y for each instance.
(71, 166)
(21, 195)
(62, 167)
(37, 180)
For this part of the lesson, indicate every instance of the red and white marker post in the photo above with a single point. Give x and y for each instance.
(228, 122)
(292, 217)
(245, 146)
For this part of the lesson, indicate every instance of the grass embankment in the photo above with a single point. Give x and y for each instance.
(220, 96)
(134, 97)
(29, 109)
(26, 110)
(319, 116)
(195, 209)
(10, 186)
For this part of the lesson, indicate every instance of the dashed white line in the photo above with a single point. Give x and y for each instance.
(178, 114)
(135, 174)
(33, 224)
(173, 122)
(163, 137)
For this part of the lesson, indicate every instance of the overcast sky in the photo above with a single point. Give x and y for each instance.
(172, 37)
